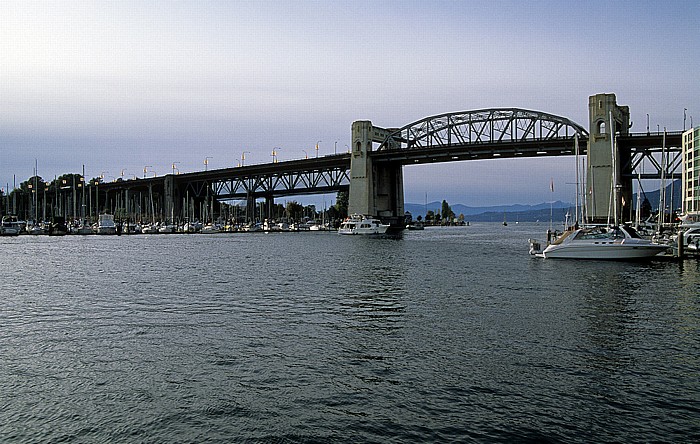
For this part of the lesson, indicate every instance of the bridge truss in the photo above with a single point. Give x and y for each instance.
(482, 127)
(318, 176)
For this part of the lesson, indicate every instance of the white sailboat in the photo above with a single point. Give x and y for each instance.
(613, 242)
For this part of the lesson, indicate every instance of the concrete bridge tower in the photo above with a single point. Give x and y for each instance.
(376, 188)
(607, 119)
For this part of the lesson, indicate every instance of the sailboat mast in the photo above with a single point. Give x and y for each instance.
(577, 176)
(662, 189)
(36, 192)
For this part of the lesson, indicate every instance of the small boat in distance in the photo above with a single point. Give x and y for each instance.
(360, 224)
(608, 243)
(10, 226)
(106, 224)
(415, 226)
(58, 227)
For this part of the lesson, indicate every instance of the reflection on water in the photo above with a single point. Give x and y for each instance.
(446, 334)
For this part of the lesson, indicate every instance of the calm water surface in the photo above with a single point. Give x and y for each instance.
(444, 335)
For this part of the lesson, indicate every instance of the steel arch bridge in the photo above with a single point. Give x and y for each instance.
(482, 128)
(466, 135)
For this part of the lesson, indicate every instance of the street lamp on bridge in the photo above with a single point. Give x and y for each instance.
(317, 147)
(243, 157)
(306, 155)
(145, 170)
(175, 168)
(206, 162)
(274, 154)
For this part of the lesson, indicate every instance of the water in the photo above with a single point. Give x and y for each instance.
(449, 334)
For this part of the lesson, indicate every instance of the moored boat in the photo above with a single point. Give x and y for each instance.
(10, 226)
(106, 224)
(361, 224)
(608, 243)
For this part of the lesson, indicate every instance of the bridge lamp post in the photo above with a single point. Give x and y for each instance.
(206, 162)
(347, 148)
(317, 147)
(306, 155)
(335, 147)
(647, 124)
(145, 170)
(175, 168)
(243, 157)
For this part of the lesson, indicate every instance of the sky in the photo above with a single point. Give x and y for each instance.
(124, 86)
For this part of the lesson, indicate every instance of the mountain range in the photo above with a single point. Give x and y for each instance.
(531, 213)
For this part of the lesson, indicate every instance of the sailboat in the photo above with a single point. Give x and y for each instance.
(36, 228)
(614, 242)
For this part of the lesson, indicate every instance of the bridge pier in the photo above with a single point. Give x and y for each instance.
(250, 208)
(607, 119)
(170, 197)
(376, 188)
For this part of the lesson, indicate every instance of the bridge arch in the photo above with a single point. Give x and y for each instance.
(480, 127)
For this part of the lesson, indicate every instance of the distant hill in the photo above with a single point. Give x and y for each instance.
(532, 213)
(469, 212)
(653, 196)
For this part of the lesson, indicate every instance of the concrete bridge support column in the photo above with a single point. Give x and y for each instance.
(250, 208)
(607, 119)
(376, 189)
(269, 204)
(361, 195)
(171, 198)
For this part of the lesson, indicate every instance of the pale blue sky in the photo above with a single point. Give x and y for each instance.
(121, 85)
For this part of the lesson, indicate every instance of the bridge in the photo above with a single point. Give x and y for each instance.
(372, 172)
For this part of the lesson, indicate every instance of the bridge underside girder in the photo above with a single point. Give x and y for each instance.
(280, 184)
(480, 151)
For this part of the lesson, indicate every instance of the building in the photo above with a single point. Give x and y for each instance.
(691, 171)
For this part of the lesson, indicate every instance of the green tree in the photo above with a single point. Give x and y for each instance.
(341, 204)
(447, 213)
(294, 210)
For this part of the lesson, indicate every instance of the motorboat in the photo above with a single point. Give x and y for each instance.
(10, 226)
(106, 225)
(361, 224)
(35, 229)
(166, 228)
(415, 226)
(58, 227)
(84, 229)
(211, 229)
(611, 243)
(691, 236)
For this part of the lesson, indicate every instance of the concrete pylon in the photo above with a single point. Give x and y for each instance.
(170, 198)
(607, 119)
(361, 195)
(376, 189)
